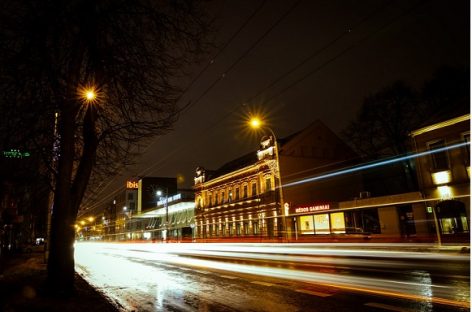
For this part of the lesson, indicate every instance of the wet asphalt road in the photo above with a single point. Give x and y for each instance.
(143, 277)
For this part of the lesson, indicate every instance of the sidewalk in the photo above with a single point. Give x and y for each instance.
(23, 288)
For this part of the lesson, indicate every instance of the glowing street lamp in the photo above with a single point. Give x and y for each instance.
(257, 123)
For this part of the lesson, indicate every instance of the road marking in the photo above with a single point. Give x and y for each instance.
(262, 283)
(229, 277)
(387, 307)
(312, 292)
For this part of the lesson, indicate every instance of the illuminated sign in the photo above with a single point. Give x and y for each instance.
(132, 185)
(169, 199)
(15, 153)
(312, 208)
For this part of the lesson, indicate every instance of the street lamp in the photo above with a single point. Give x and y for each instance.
(159, 194)
(256, 123)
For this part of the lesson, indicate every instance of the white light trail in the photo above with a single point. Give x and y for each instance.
(375, 164)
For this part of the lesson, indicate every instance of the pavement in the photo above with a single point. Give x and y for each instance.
(23, 288)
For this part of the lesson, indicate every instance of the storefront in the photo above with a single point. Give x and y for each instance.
(396, 217)
(326, 218)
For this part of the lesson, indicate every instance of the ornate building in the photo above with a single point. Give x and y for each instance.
(246, 198)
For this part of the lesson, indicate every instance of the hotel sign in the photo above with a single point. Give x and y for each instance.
(313, 208)
(132, 185)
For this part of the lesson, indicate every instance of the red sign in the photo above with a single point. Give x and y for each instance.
(313, 208)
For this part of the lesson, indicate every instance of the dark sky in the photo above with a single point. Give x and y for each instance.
(295, 62)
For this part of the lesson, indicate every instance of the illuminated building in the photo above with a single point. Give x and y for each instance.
(242, 199)
(444, 175)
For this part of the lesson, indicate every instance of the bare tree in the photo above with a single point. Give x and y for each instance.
(129, 53)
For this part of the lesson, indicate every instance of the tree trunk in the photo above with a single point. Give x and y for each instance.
(61, 245)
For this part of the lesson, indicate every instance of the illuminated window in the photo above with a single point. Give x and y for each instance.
(306, 225)
(230, 195)
(337, 223)
(445, 192)
(255, 225)
(441, 177)
(322, 223)
(439, 159)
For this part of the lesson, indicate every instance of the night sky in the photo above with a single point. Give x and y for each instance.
(296, 62)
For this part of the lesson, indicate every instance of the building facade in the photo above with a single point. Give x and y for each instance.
(444, 176)
(248, 198)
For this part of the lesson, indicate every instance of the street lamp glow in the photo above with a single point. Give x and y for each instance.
(90, 95)
(255, 123)
(159, 193)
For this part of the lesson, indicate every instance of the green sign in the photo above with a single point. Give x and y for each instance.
(15, 153)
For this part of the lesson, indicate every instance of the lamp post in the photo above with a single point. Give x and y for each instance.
(166, 225)
(128, 214)
(256, 123)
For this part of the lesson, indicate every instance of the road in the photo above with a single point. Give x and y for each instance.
(274, 277)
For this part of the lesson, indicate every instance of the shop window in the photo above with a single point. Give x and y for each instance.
(370, 221)
(322, 223)
(306, 225)
(439, 159)
(337, 222)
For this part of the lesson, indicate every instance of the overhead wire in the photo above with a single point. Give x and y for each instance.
(293, 69)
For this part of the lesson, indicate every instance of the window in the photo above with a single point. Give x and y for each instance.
(255, 225)
(306, 225)
(322, 223)
(130, 196)
(237, 193)
(268, 184)
(254, 189)
(216, 198)
(245, 191)
(223, 197)
(439, 159)
(209, 200)
(337, 223)
(230, 195)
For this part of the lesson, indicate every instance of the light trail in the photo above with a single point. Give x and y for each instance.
(412, 287)
(375, 164)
